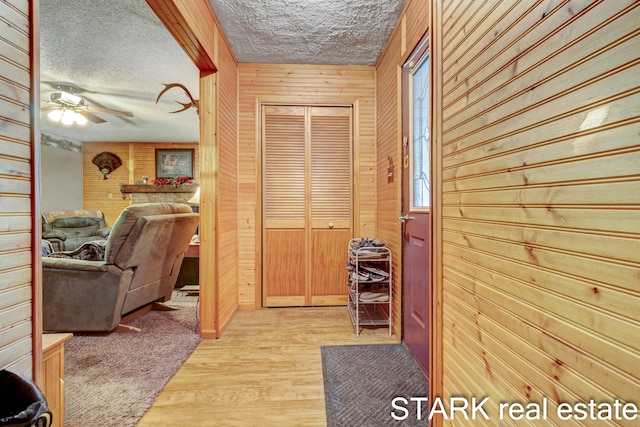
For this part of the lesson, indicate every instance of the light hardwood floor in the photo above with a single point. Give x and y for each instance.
(266, 370)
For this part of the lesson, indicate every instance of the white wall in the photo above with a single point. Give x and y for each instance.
(61, 179)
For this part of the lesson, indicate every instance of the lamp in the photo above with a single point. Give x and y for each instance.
(194, 201)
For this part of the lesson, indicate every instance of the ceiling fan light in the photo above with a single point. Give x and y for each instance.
(70, 98)
(55, 115)
(80, 119)
(68, 117)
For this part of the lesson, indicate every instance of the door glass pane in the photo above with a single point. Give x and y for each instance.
(421, 186)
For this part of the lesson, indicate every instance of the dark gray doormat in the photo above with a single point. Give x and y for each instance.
(361, 381)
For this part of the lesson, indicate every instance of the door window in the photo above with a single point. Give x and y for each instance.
(419, 135)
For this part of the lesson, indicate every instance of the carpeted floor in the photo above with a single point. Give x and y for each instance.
(360, 382)
(112, 379)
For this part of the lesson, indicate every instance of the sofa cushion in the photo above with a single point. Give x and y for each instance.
(54, 234)
(89, 213)
(102, 232)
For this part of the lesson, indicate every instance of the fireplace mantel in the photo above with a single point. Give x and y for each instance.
(142, 188)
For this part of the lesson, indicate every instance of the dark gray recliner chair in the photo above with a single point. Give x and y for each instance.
(67, 230)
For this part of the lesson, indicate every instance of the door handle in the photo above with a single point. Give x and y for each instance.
(405, 218)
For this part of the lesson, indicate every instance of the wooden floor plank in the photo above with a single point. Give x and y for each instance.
(265, 370)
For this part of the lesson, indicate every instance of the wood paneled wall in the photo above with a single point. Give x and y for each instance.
(410, 28)
(138, 159)
(18, 202)
(299, 84)
(227, 191)
(541, 202)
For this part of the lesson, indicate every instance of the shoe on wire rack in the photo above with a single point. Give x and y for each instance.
(374, 297)
(375, 270)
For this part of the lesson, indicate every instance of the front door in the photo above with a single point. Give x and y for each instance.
(415, 205)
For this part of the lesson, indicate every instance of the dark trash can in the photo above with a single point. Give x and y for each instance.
(22, 404)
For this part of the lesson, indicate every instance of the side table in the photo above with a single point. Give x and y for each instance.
(189, 276)
(53, 374)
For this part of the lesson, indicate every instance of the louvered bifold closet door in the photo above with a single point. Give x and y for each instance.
(331, 210)
(284, 203)
(306, 204)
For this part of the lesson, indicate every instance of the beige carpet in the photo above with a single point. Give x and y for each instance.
(112, 379)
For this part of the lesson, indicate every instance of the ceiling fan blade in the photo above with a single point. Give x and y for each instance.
(102, 110)
(91, 117)
(66, 86)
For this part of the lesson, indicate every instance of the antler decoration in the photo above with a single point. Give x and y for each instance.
(107, 163)
(185, 106)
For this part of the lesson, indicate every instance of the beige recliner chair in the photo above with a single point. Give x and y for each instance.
(143, 256)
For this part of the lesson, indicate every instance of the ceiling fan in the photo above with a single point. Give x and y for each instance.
(67, 108)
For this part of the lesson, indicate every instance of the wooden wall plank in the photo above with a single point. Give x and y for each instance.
(540, 200)
(17, 156)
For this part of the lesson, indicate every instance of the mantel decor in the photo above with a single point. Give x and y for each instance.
(174, 162)
(176, 182)
(142, 188)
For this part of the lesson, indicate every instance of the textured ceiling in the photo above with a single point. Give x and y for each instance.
(346, 32)
(118, 54)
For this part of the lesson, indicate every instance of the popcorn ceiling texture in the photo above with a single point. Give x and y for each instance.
(346, 32)
(117, 54)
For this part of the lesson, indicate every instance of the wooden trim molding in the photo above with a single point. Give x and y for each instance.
(209, 283)
(36, 224)
(436, 344)
(173, 15)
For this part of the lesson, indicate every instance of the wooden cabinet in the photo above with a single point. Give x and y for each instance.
(53, 374)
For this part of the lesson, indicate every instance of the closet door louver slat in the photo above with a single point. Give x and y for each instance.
(331, 169)
(284, 171)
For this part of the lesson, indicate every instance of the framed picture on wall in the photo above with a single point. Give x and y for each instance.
(171, 163)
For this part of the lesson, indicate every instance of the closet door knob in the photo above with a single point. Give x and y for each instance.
(330, 225)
